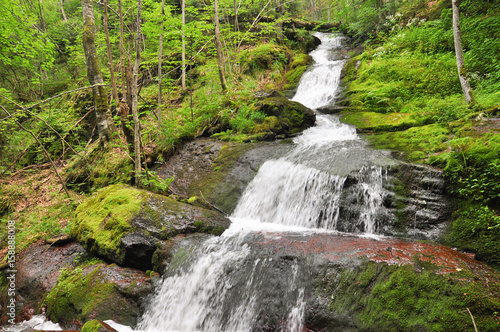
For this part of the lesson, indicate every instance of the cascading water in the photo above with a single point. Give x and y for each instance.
(223, 286)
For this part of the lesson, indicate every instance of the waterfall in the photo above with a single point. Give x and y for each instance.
(223, 285)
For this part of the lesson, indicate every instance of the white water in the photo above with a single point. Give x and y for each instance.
(300, 192)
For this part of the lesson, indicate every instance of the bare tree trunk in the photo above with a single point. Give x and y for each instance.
(110, 58)
(105, 125)
(278, 12)
(125, 102)
(60, 2)
(462, 72)
(160, 61)
(137, 137)
(218, 45)
(183, 55)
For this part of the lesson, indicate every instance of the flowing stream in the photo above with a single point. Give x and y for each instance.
(328, 182)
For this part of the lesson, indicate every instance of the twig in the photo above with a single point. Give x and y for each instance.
(44, 150)
(17, 158)
(53, 97)
(212, 206)
(91, 136)
(473, 321)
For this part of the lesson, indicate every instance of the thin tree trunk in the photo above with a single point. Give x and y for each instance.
(105, 125)
(60, 2)
(183, 55)
(160, 60)
(218, 45)
(137, 138)
(122, 48)
(279, 24)
(462, 72)
(110, 58)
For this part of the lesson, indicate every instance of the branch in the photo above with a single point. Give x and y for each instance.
(44, 150)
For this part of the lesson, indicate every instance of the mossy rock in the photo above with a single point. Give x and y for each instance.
(123, 224)
(96, 326)
(377, 122)
(298, 66)
(381, 297)
(293, 116)
(97, 291)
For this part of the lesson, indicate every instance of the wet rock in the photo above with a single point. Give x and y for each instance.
(292, 116)
(38, 268)
(208, 170)
(163, 255)
(268, 94)
(346, 277)
(98, 291)
(123, 224)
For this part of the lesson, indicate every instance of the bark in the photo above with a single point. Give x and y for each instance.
(183, 55)
(105, 125)
(110, 58)
(160, 60)
(218, 45)
(462, 72)
(279, 24)
(60, 2)
(137, 137)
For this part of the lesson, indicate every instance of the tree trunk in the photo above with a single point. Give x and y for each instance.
(160, 61)
(105, 125)
(110, 57)
(218, 45)
(278, 13)
(137, 137)
(183, 55)
(60, 2)
(462, 72)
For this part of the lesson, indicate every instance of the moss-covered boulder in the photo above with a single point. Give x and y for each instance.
(290, 117)
(123, 224)
(38, 268)
(97, 291)
(97, 326)
(298, 66)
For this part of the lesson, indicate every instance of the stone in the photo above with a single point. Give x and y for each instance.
(123, 224)
(293, 117)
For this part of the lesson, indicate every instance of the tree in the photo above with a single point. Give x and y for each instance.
(160, 61)
(183, 53)
(462, 72)
(135, 113)
(218, 46)
(105, 125)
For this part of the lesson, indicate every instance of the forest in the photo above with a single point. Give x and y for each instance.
(97, 95)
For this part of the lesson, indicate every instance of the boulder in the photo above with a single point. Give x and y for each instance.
(291, 117)
(268, 94)
(38, 268)
(123, 224)
(97, 291)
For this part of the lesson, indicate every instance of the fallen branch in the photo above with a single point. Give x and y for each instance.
(44, 151)
(212, 206)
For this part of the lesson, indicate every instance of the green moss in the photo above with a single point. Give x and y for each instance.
(82, 294)
(476, 228)
(263, 57)
(298, 66)
(371, 121)
(92, 326)
(416, 142)
(398, 298)
(88, 172)
(102, 220)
